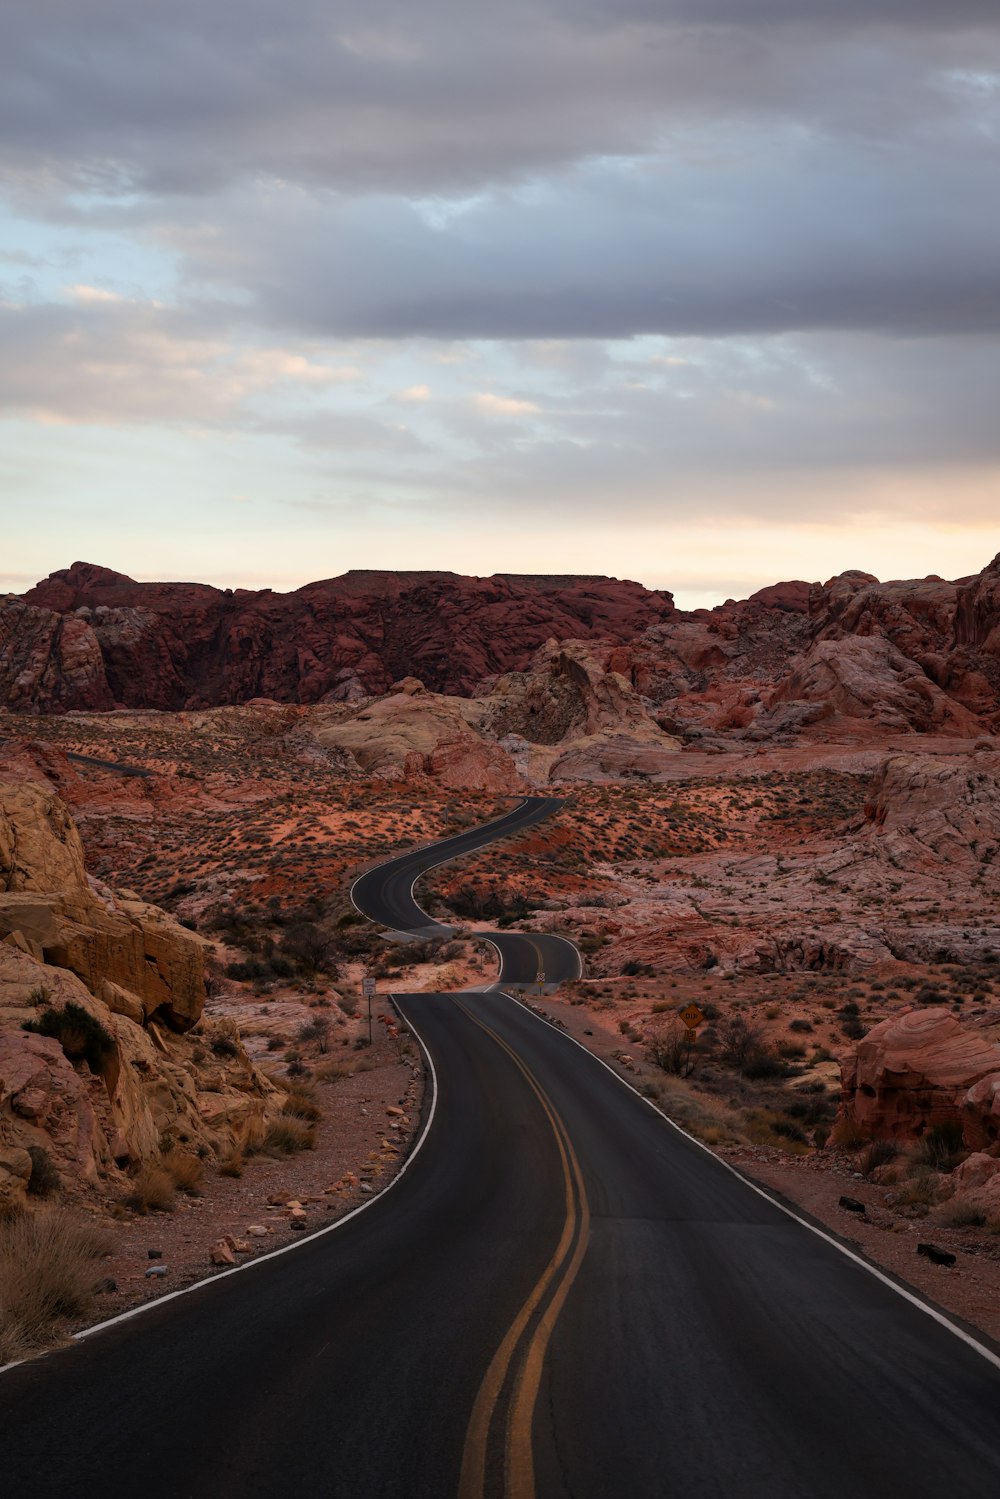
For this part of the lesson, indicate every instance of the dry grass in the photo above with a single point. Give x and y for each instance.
(285, 1136)
(960, 1215)
(152, 1190)
(301, 1104)
(333, 1072)
(233, 1164)
(47, 1273)
(184, 1169)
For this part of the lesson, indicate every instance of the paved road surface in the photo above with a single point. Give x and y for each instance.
(561, 1298)
(385, 894)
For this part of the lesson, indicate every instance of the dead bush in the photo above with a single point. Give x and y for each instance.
(285, 1136)
(668, 1046)
(301, 1104)
(47, 1273)
(185, 1170)
(152, 1190)
(232, 1164)
(960, 1215)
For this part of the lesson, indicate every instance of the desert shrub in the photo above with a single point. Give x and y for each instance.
(669, 1048)
(961, 1215)
(152, 1190)
(879, 1153)
(185, 1170)
(223, 1046)
(301, 1104)
(849, 1134)
(801, 1025)
(762, 1064)
(317, 1029)
(47, 1272)
(44, 1179)
(738, 1040)
(333, 1072)
(942, 1148)
(854, 1028)
(80, 1034)
(309, 946)
(920, 1189)
(285, 1136)
(232, 1164)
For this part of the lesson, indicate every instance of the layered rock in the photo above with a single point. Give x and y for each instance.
(416, 732)
(97, 995)
(918, 1069)
(129, 954)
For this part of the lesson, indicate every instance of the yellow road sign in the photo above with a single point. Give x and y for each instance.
(690, 1036)
(692, 1017)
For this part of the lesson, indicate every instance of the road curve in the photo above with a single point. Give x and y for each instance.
(385, 894)
(562, 1298)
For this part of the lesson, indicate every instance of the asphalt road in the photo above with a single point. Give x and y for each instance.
(385, 894)
(561, 1298)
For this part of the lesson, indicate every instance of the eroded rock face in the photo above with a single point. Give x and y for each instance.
(49, 911)
(129, 973)
(931, 812)
(916, 1070)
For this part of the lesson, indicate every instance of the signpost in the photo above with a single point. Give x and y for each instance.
(692, 1018)
(368, 991)
(540, 978)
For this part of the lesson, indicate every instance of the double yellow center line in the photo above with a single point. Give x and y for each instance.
(538, 1313)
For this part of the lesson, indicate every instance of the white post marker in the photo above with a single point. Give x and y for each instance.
(368, 991)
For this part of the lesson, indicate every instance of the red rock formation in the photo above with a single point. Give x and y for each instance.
(914, 1071)
(852, 655)
(90, 638)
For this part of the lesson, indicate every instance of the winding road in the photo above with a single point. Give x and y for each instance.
(385, 894)
(561, 1297)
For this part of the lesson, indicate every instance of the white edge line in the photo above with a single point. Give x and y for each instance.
(213, 1280)
(933, 1312)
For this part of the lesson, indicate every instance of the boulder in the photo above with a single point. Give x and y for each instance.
(914, 1071)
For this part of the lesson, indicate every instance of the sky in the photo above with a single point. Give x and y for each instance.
(700, 292)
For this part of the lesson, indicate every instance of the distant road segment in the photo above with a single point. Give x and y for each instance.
(386, 895)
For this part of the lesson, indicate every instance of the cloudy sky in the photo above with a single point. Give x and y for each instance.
(700, 292)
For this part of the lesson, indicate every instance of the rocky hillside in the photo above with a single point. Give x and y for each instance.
(100, 994)
(851, 656)
(90, 638)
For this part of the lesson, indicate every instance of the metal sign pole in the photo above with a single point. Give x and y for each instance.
(368, 990)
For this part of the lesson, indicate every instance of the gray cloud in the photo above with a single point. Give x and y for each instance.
(771, 234)
(443, 97)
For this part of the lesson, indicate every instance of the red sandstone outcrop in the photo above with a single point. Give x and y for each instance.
(851, 656)
(90, 638)
(925, 812)
(914, 1071)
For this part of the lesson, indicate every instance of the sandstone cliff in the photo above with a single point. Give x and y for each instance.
(99, 995)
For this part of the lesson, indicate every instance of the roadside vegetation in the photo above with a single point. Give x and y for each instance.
(49, 1273)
